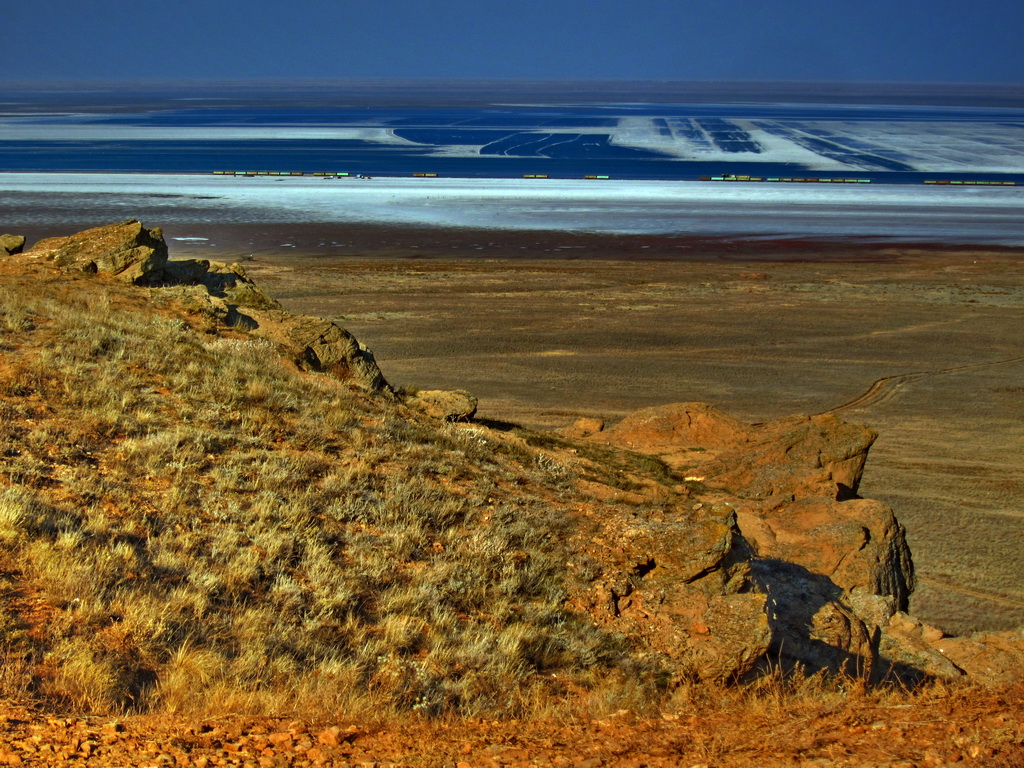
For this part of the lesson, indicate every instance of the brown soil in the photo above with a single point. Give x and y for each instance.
(941, 727)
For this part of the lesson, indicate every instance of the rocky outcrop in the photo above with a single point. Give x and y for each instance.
(225, 281)
(11, 244)
(671, 429)
(320, 345)
(127, 250)
(678, 586)
(139, 255)
(220, 291)
(826, 575)
(995, 658)
(834, 568)
(801, 455)
(857, 544)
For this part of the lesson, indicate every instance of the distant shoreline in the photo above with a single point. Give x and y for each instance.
(317, 243)
(670, 213)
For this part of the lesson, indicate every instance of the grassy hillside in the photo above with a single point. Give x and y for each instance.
(185, 518)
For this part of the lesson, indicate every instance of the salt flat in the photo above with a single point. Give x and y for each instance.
(990, 215)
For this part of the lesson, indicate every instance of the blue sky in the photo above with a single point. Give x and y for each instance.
(865, 40)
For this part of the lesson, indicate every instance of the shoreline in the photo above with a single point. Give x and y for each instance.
(329, 242)
(674, 214)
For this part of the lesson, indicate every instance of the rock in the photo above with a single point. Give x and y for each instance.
(230, 282)
(904, 649)
(320, 345)
(11, 244)
(582, 427)
(679, 588)
(127, 250)
(330, 737)
(834, 568)
(812, 624)
(183, 272)
(222, 292)
(857, 544)
(450, 405)
(225, 281)
(801, 455)
(666, 428)
(995, 658)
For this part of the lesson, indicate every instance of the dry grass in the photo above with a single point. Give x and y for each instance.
(190, 525)
(195, 521)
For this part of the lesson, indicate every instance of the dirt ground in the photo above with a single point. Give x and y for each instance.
(921, 343)
(940, 728)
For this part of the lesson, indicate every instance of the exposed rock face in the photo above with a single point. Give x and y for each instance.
(671, 428)
(11, 244)
(226, 281)
(679, 586)
(127, 250)
(804, 455)
(449, 405)
(857, 544)
(834, 571)
(995, 658)
(815, 550)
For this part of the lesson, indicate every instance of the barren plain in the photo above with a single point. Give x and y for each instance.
(921, 343)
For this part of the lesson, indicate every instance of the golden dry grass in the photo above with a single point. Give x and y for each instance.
(185, 518)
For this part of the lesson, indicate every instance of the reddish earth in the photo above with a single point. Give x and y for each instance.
(941, 727)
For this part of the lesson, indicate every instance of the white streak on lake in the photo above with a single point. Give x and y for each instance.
(897, 212)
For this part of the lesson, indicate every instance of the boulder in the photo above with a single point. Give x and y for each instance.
(320, 345)
(995, 658)
(182, 272)
(226, 281)
(127, 250)
(802, 455)
(450, 405)
(11, 244)
(905, 649)
(230, 282)
(669, 428)
(812, 623)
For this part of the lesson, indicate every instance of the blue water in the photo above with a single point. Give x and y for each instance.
(478, 140)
